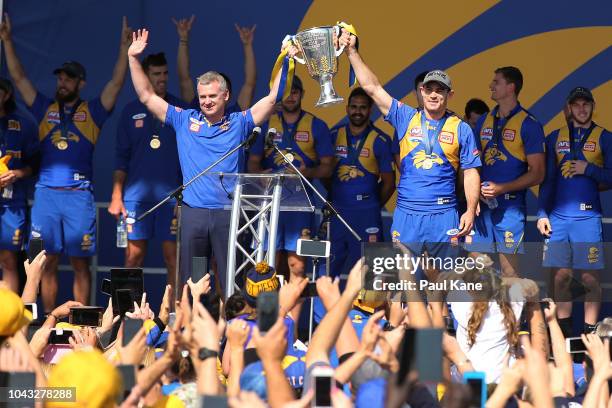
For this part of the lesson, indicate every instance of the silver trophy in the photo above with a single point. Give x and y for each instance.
(321, 59)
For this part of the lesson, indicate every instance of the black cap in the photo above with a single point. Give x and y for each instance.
(580, 92)
(297, 83)
(72, 69)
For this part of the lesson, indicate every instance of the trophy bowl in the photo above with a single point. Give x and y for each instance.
(321, 59)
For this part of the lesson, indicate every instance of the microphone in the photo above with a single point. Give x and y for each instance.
(270, 137)
(252, 137)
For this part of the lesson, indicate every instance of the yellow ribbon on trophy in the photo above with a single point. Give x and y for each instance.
(286, 66)
(351, 29)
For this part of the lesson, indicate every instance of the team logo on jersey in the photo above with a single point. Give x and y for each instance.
(365, 152)
(422, 160)
(593, 256)
(486, 133)
(86, 243)
(563, 146)
(476, 152)
(566, 169)
(17, 237)
(395, 236)
(509, 135)
(446, 137)
(493, 154)
(173, 226)
(586, 207)
(302, 137)
(416, 132)
(80, 116)
(139, 116)
(509, 239)
(341, 151)
(194, 127)
(53, 117)
(589, 146)
(139, 123)
(14, 125)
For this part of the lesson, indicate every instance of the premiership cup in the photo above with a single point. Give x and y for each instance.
(321, 59)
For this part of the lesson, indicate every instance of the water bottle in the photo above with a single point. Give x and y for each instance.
(491, 202)
(122, 233)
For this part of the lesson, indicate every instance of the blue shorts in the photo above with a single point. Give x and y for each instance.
(12, 228)
(427, 231)
(499, 230)
(575, 244)
(345, 249)
(161, 223)
(65, 220)
(293, 225)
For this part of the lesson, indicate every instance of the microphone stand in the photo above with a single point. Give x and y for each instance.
(178, 195)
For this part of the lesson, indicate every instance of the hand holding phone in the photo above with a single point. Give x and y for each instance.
(322, 379)
(34, 248)
(267, 310)
(478, 386)
(60, 336)
(86, 316)
(130, 328)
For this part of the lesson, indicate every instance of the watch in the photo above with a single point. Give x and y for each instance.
(205, 353)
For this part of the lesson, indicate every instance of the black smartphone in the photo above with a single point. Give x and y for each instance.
(407, 352)
(478, 388)
(34, 248)
(128, 375)
(125, 302)
(544, 304)
(60, 336)
(130, 328)
(575, 345)
(428, 354)
(86, 316)
(213, 401)
(267, 310)
(199, 267)
(310, 290)
(105, 287)
(127, 278)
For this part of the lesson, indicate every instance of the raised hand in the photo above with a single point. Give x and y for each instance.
(201, 287)
(139, 42)
(142, 312)
(183, 27)
(5, 28)
(246, 34)
(328, 290)
(347, 40)
(126, 33)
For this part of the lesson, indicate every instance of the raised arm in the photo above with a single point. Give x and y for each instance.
(142, 86)
(186, 85)
(366, 78)
(15, 69)
(109, 94)
(245, 97)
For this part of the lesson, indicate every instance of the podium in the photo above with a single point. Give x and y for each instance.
(257, 200)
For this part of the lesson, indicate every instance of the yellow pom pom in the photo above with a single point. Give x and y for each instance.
(262, 268)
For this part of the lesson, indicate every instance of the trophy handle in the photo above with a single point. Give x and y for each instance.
(338, 30)
(291, 39)
(300, 60)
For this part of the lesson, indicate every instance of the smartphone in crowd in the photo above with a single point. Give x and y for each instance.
(33, 308)
(86, 316)
(478, 386)
(322, 380)
(35, 247)
(130, 328)
(60, 336)
(130, 279)
(310, 290)
(575, 345)
(125, 302)
(267, 310)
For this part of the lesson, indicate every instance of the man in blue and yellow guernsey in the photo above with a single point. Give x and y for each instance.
(18, 149)
(203, 137)
(362, 158)
(578, 162)
(64, 212)
(512, 142)
(434, 145)
(146, 170)
(306, 138)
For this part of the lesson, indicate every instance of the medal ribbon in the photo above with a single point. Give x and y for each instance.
(573, 149)
(497, 131)
(353, 154)
(429, 141)
(65, 122)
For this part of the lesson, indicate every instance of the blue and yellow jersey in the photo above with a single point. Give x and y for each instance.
(505, 151)
(18, 146)
(310, 142)
(146, 151)
(575, 197)
(355, 177)
(427, 184)
(67, 163)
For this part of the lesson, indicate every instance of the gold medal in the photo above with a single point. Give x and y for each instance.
(427, 163)
(62, 145)
(289, 157)
(353, 172)
(155, 143)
